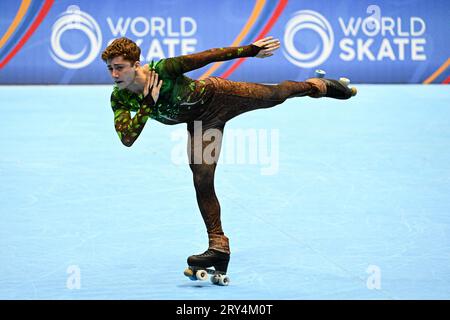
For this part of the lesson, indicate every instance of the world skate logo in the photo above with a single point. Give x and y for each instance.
(75, 19)
(302, 24)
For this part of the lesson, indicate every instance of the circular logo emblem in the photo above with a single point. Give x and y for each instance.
(313, 21)
(75, 19)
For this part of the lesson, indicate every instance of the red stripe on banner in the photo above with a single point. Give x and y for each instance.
(273, 19)
(276, 14)
(447, 81)
(44, 10)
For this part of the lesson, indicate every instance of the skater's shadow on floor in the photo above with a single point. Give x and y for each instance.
(195, 285)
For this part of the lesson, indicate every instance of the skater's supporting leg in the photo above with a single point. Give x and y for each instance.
(203, 162)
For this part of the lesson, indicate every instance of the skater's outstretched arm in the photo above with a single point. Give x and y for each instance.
(127, 128)
(178, 65)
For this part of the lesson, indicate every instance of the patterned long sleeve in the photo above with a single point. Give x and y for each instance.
(127, 128)
(182, 64)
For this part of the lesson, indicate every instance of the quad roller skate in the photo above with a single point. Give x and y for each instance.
(200, 266)
(334, 88)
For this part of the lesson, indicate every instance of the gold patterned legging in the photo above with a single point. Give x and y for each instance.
(230, 99)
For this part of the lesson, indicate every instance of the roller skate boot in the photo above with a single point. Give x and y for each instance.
(200, 266)
(331, 88)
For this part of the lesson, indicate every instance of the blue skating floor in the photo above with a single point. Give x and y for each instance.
(344, 199)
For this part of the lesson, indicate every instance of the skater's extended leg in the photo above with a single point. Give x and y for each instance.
(232, 98)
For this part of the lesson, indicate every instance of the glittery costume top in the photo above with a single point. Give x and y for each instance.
(180, 99)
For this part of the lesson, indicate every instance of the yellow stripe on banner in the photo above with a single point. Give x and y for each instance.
(13, 26)
(438, 72)
(259, 5)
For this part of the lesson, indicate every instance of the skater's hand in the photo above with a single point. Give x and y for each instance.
(152, 85)
(267, 45)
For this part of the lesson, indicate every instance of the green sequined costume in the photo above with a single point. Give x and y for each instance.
(213, 101)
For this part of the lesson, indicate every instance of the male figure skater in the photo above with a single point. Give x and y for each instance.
(160, 91)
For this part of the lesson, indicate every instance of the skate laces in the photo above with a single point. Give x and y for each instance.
(207, 253)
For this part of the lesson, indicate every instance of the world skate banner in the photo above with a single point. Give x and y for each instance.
(60, 42)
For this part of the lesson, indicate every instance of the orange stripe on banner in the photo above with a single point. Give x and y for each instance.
(278, 10)
(259, 5)
(18, 18)
(438, 72)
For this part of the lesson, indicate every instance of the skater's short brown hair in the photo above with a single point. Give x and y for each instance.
(124, 47)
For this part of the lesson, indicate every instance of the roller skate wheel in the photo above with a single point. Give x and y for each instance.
(188, 272)
(344, 81)
(201, 275)
(224, 280)
(320, 73)
(215, 279)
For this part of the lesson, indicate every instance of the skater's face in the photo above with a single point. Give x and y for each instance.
(122, 71)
